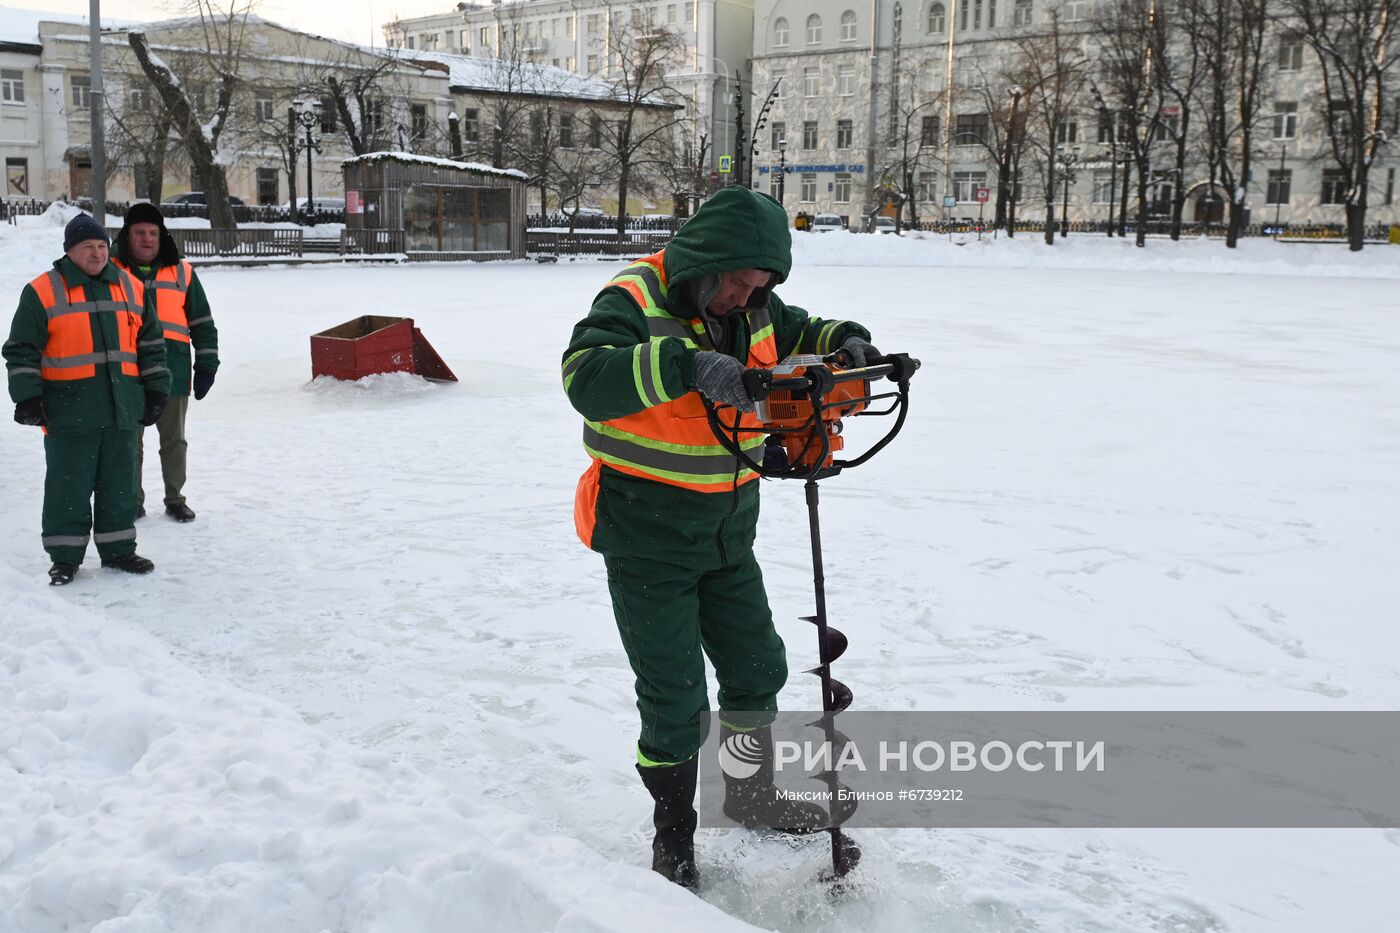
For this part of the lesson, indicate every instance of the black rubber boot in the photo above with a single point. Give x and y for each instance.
(673, 849)
(61, 574)
(753, 800)
(180, 512)
(129, 563)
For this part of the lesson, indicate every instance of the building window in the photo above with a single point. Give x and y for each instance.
(810, 78)
(965, 185)
(809, 186)
(690, 12)
(845, 132)
(566, 131)
(809, 134)
(1168, 127)
(779, 134)
(780, 82)
(1103, 186)
(775, 186)
(1280, 186)
(928, 132)
(937, 19)
(1334, 186)
(846, 80)
(595, 132)
(267, 186)
(1339, 118)
(373, 117)
(1023, 13)
(841, 191)
(140, 101)
(328, 115)
(464, 44)
(12, 86)
(82, 92)
(536, 129)
(780, 32)
(927, 189)
(1285, 120)
(814, 29)
(408, 43)
(593, 64)
(262, 106)
(1076, 10)
(17, 176)
(1389, 187)
(471, 125)
(196, 91)
(972, 129)
(1290, 53)
(848, 26)
(418, 121)
(1068, 131)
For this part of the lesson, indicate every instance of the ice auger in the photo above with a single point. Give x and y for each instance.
(800, 405)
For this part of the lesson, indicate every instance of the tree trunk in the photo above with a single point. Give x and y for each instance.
(1050, 204)
(1140, 239)
(203, 158)
(1356, 223)
(1179, 191)
(1003, 195)
(1123, 200)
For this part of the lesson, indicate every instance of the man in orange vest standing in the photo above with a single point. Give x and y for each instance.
(86, 363)
(674, 514)
(147, 251)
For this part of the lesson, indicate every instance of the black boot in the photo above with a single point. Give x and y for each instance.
(753, 800)
(129, 563)
(61, 574)
(180, 512)
(673, 849)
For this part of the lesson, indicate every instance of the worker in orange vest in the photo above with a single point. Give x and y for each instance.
(147, 251)
(86, 363)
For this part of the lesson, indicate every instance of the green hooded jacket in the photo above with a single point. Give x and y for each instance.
(112, 400)
(735, 229)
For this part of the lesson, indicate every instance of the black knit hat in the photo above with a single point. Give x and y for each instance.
(81, 228)
(143, 212)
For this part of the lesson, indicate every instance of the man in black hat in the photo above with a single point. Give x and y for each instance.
(87, 364)
(146, 249)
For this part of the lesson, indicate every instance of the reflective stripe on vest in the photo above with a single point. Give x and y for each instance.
(171, 283)
(670, 441)
(69, 352)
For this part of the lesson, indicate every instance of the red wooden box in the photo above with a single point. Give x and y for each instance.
(366, 345)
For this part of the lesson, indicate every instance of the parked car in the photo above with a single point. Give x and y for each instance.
(884, 225)
(319, 205)
(825, 222)
(197, 197)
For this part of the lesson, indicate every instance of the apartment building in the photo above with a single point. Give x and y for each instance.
(941, 67)
(714, 40)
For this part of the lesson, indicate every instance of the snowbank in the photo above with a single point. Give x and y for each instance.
(139, 796)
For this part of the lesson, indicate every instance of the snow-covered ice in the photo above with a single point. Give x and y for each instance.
(376, 685)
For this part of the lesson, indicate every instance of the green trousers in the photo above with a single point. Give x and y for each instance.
(90, 489)
(171, 428)
(670, 617)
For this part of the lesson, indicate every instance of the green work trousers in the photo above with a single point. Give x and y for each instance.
(668, 614)
(90, 488)
(171, 428)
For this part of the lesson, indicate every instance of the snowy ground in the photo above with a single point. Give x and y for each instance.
(394, 698)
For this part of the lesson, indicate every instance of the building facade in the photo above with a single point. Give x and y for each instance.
(904, 95)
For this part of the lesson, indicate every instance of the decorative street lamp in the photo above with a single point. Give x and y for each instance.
(782, 169)
(308, 113)
(1068, 157)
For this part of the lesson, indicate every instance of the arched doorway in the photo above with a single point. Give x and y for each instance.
(1207, 203)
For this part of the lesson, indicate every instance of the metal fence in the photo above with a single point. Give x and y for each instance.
(1158, 228)
(361, 242)
(605, 222)
(576, 244)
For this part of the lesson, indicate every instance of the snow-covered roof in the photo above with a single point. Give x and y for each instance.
(433, 160)
(504, 77)
(22, 26)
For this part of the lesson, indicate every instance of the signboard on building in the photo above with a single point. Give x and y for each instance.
(353, 204)
(950, 201)
(984, 195)
(726, 164)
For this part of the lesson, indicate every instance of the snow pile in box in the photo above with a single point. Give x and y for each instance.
(137, 796)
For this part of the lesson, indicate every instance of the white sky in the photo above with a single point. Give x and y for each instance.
(355, 20)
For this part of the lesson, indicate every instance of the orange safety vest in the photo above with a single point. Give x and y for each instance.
(69, 353)
(670, 441)
(171, 284)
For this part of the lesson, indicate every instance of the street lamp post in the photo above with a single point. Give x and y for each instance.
(309, 115)
(1013, 165)
(1106, 116)
(1278, 193)
(782, 170)
(1069, 156)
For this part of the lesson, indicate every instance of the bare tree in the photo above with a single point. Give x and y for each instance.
(1177, 45)
(220, 27)
(1232, 34)
(914, 126)
(1005, 136)
(1356, 45)
(138, 135)
(1126, 34)
(1055, 67)
(639, 112)
(359, 88)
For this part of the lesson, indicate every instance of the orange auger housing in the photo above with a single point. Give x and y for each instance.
(69, 353)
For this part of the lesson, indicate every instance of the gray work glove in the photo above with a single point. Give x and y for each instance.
(862, 351)
(720, 377)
